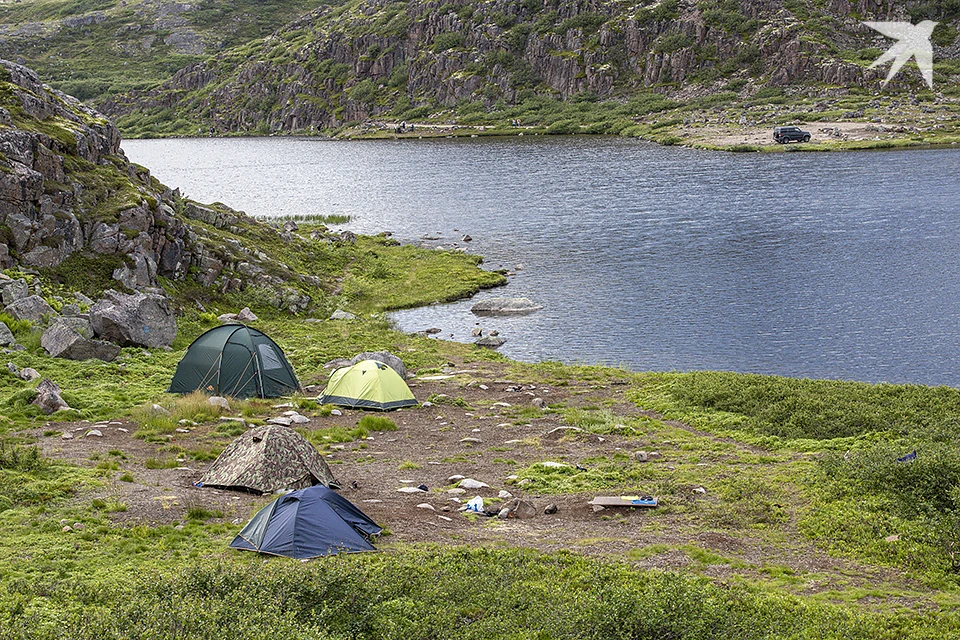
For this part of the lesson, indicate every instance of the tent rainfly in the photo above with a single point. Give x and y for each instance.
(235, 360)
(267, 459)
(306, 524)
(368, 385)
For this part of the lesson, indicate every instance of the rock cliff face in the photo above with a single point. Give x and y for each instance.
(68, 192)
(367, 58)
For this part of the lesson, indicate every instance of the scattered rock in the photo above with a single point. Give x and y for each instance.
(339, 314)
(539, 403)
(282, 421)
(67, 529)
(385, 357)
(504, 494)
(140, 319)
(66, 435)
(560, 432)
(158, 410)
(13, 369)
(78, 526)
(641, 456)
(554, 465)
(894, 538)
(246, 315)
(453, 479)
(336, 412)
(299, 419)
(48, 397)
(219, 401)
(653, 455)
(470, 483)
(491, 342)
(410, 490)
(32, 308)
(427, 506)
(504, 306)
(471, 440)
(6, 336)
(29, 373)
(550, 508)
(432, 331)
(700, 490)
(94, 432)
(72, 339)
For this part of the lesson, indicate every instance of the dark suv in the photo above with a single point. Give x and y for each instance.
(783, 135)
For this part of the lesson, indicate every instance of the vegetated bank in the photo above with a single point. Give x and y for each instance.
(770, 453)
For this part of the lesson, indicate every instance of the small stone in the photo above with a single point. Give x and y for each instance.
(66, 435)
(470, 483)
(123, 430)
(456, 490)
(471, 440)
(654, 455)
(453, 479)
(483, 386)
(373, 501)
(29, 374)
(539, 403)
(78, 526)
(282, 421)
(299, 419)
(597, 508)
(427, 506)
(894, 538)
(550, 464)
(179, 430)
(504, 494)
(158, 410)
(410, 490)
(524, 482)
(94, 432)
(445, 518)
(336, 412)
(641, 456)
(550, 508)
(501, 404)
(504, 513)
(179, 527)
(433, 330)
(67, 529)
(700, 490)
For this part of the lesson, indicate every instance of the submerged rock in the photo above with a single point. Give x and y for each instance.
(505, 306)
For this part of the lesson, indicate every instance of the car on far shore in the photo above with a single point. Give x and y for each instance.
(783, 135)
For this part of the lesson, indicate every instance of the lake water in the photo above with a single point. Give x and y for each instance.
(832, 265)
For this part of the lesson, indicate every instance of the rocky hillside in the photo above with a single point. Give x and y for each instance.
(75, 210)
(96, 48)
(409, 60)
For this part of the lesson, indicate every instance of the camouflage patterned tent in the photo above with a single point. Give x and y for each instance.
(267, 459)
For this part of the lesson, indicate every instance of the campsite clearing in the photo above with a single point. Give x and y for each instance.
(719, 514)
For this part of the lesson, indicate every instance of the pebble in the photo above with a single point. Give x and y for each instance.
(78, 526)
(700, 490)
(66, 529)
(456, 491)
(410, 490)
(373, 501)
(550, 464)
(484, 387)
(95, 432)
(470, 483)
(66, 435)
(453, 479)
(504, 494)
(427, 506)
(445, 518)
(551, 508)
(284, 422)
(471, 440)
(336, 412)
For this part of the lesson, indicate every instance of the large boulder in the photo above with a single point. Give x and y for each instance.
(139, 319)
(48, 397)
(32, 308)
(13, 290)
(385, 357)
(504, 306)
(72, 338)
(6, 336)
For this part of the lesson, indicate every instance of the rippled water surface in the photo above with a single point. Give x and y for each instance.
(834, 265)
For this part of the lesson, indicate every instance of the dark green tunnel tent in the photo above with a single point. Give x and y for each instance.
(235, 360)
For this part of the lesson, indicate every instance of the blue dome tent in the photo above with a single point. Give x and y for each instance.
(308, 523)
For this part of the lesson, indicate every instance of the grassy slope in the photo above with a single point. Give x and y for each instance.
(125, 49)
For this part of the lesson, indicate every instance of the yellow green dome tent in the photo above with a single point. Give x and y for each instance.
(368, 385)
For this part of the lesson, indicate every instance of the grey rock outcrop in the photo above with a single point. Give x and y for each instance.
(139, 319)
(48, 397)
(13, 290)
(385, 357)
(504, 306)
(32, 308)
(72, 338)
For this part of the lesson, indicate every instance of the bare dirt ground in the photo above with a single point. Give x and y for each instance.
(428, 448)
(732, 135)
